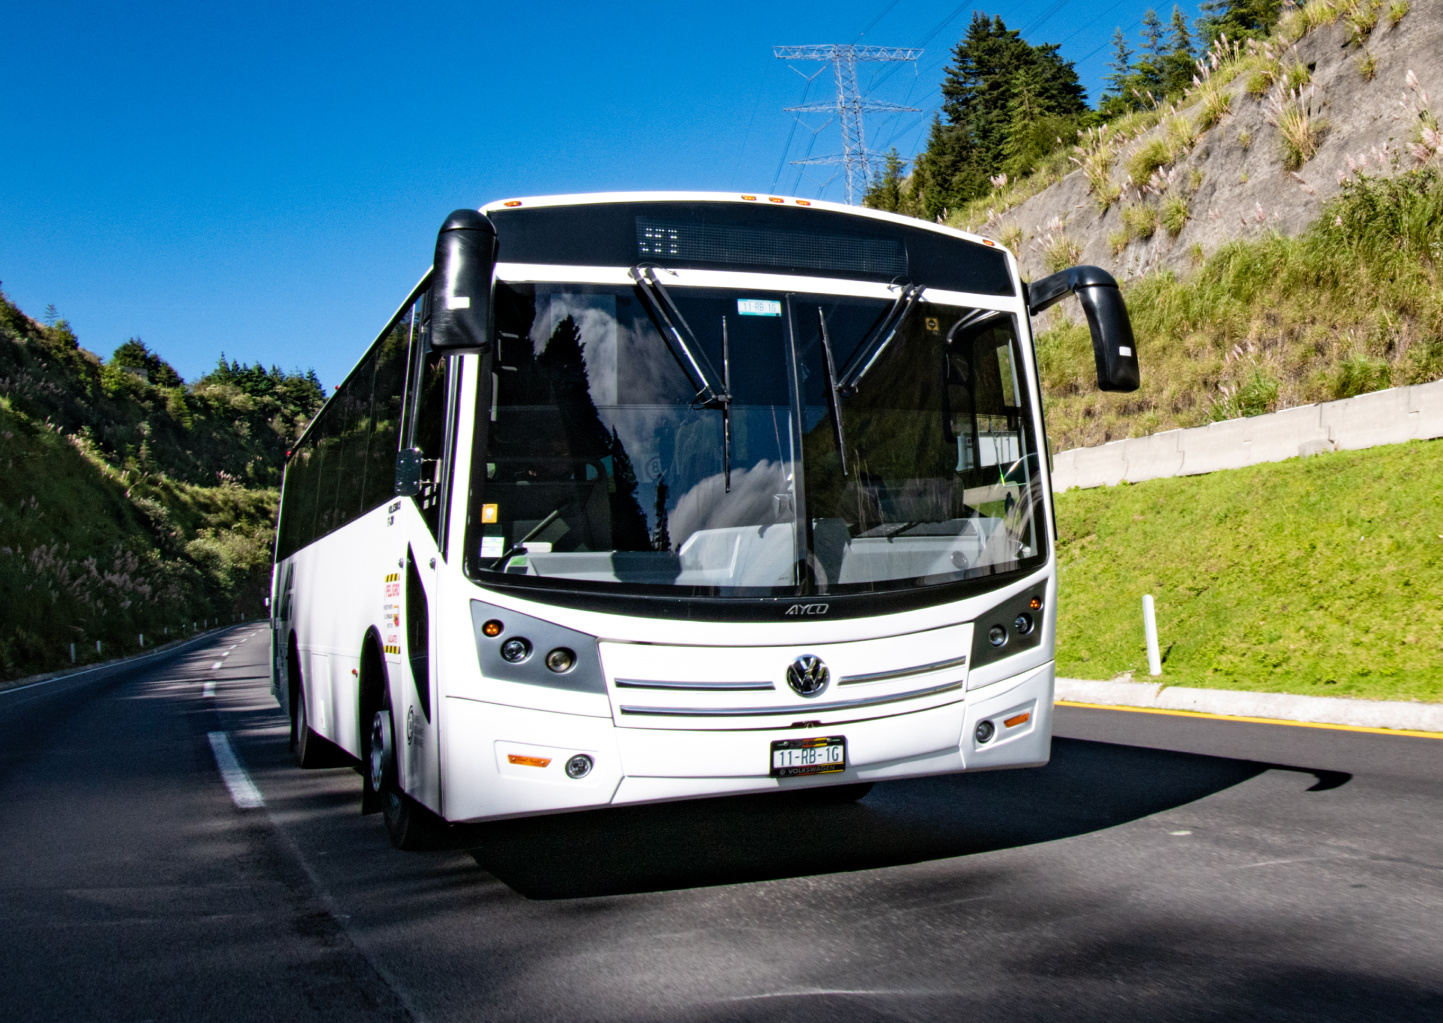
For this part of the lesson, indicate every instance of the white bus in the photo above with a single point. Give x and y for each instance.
(657, 496)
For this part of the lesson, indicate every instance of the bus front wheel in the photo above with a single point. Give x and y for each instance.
(409, 824)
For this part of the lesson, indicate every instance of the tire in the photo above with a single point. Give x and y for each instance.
(410, 825)
(306, 745)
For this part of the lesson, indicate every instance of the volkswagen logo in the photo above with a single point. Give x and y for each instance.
(807, 675)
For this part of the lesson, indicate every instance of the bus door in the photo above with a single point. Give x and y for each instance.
(420, 556)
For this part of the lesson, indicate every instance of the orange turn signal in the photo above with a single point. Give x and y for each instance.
(512, 202)
(492, 628)
(516, 758)
(1035, 603)
(1018, 719)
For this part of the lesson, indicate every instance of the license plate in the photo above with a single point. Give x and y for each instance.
(792, 757)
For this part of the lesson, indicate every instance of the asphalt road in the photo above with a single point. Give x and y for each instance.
(1161, 868)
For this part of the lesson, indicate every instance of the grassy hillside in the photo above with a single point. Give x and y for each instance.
(1317, 576)
(129, 502)
(1355, 304)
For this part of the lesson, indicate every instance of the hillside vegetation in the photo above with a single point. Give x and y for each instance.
(1317, 576)
(1354, 304)
(1265, 267)
(131, 503)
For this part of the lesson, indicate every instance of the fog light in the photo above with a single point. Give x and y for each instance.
(560, 659)
(1023, 624)
(578, 766)
(515, 650)
(492, 628)
(985, 731)
(997, 636)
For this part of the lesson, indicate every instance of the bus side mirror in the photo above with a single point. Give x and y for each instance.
(408, 472)
(461, 295)
(1113, 347)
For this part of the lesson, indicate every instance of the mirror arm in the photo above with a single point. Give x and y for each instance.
(1113, 347)
(1046, 293)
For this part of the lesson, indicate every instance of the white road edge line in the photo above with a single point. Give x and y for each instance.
(243, 791)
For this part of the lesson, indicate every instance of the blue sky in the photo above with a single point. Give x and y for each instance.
(267, 179)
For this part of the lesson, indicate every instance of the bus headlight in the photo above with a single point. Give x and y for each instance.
(997, 636)
(515, 650)
(560, 660)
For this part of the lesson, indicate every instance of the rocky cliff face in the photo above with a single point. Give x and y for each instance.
(1361, 99)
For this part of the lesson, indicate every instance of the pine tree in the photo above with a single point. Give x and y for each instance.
(1239, 19)
(886, 190)
(661, 537)
(1179, 38)
(1121, 64)
(1179, 65)
(1151, 34)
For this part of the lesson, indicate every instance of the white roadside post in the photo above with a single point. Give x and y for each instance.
(1149, 625)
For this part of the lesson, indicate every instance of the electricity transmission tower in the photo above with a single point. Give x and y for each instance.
(856, 161)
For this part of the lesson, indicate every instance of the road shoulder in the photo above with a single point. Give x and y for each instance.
(1385, 714)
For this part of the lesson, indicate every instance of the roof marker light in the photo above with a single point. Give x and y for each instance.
(804, 202)
(511, 202)
(750, 198)
(989, 242)
(773, 198)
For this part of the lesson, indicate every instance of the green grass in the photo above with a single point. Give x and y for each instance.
(1317, 576)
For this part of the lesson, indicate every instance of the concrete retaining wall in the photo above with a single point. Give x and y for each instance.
(1382, 417)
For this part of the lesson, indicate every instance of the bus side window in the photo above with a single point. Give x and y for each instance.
(428, 433)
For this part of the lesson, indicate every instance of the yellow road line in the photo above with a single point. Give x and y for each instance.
(1256, 721)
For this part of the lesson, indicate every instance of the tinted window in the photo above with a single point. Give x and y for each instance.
(345, 463)
(386, 403)
(761, 238)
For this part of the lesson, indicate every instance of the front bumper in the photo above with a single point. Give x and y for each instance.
(490, 752)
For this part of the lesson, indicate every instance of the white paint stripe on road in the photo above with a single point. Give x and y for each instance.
(243, 791)
(214, 666)
(209, 688)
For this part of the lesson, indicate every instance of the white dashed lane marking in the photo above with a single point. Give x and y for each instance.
(243, 791)
(209, 688)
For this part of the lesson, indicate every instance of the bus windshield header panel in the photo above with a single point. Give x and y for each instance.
(603, 472)
(737, 236)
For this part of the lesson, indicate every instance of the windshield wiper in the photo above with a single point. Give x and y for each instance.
(693, 361)
(691, 357)
(877, 341)
(834, 400)
(520, 545)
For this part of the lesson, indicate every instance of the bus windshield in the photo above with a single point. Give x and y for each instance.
(842, 444)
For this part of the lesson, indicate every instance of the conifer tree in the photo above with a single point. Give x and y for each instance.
(1121, 64)
(1151, 34)
(1239, 19)
(1179, 65)
(886, 191)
